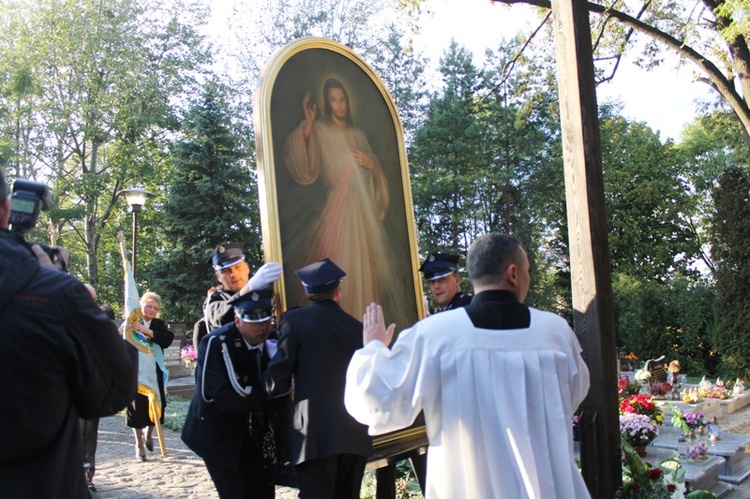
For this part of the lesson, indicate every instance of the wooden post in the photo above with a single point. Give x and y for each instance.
(589, 251)
(159, 434)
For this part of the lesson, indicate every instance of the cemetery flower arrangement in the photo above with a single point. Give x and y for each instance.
(687, 421)
(642, 375)
(626, 388)
(674, 366)
(642, 404)
(659, 388)
(695, 420)
(187, 354)
(717, 392)
(638, 429)
(630, 360)
(644, 481)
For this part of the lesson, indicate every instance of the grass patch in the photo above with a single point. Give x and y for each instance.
(174, 414)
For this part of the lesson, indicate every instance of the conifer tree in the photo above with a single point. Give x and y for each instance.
(212, 200)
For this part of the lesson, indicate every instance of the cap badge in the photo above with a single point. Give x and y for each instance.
(431, 258)
(255, 296)
(222, 249)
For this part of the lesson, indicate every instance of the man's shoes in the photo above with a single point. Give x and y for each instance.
(91, 485)
(150, 444)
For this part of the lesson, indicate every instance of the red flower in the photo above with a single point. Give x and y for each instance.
(636, 488)
(671, 488)
(621, 384)
(655, 473)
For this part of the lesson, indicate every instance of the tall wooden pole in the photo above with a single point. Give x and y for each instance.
(589, 251)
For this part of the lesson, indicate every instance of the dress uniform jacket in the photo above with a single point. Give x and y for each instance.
(217, 310)
(461, 299)
(315, 345)
(217, 420)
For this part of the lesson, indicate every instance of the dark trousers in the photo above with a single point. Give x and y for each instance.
(333, 477)
(250, 481)
(385, 477)
(89, 435)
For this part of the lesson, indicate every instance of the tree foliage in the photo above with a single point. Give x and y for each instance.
(88, 89)
(730, 239)
(212, 199)
(646, 199)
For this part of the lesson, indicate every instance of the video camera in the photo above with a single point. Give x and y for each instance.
(26, 201)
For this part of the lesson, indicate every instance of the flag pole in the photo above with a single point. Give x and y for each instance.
(152, 404)
(159, 433)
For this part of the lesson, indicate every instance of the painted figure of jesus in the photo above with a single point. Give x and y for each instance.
(349, 229)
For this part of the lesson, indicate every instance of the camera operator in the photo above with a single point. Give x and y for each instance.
(62, 359)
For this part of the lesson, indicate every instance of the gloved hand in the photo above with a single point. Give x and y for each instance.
(267, 274)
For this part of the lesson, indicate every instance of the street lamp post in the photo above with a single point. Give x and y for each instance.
(136, 198)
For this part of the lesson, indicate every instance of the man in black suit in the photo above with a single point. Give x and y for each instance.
(226, 421)
(315, 346)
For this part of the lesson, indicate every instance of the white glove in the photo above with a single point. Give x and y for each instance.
(267, 274)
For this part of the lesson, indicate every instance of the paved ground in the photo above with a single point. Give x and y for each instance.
(183, 475)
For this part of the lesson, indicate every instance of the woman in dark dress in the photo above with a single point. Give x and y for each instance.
(160, 337)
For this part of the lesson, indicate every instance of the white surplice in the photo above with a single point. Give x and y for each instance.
(498, 403)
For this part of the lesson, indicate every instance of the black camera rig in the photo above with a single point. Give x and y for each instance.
(26, 201)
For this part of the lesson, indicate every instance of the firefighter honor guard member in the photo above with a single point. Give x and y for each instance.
(226, 422)
(315, 345)
(440, 272)
(233, 272)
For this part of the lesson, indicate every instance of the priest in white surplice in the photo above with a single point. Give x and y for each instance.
(498, 383)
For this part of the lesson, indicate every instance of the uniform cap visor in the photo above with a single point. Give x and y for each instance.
(254, 315)
(229, 262)
(440, 273)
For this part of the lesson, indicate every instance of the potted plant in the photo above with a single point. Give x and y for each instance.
(642, 404)
(638, 430)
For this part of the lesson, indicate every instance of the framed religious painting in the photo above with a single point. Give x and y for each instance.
(333, 179)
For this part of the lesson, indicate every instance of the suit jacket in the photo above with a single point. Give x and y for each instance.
(217, 421)
(315, 345)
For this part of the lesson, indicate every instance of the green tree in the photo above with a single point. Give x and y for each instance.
(710, 145)
(212, 199)
(90, 88)
(646, 196)
(730, 238)
(446, 155)
(710, 34)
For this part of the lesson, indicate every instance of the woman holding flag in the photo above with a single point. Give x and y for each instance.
(151, 336)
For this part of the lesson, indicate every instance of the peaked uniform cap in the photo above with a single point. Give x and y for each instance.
(255, 306)
(438, 265)
(320, 277)
(226, 255)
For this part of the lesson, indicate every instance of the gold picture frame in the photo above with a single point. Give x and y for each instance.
(319, 197)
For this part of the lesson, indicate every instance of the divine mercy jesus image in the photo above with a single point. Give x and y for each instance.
(349, 229)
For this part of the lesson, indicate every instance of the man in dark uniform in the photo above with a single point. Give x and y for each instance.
(439, 270)
(226, 421)
(315, 346)
(233, 273)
